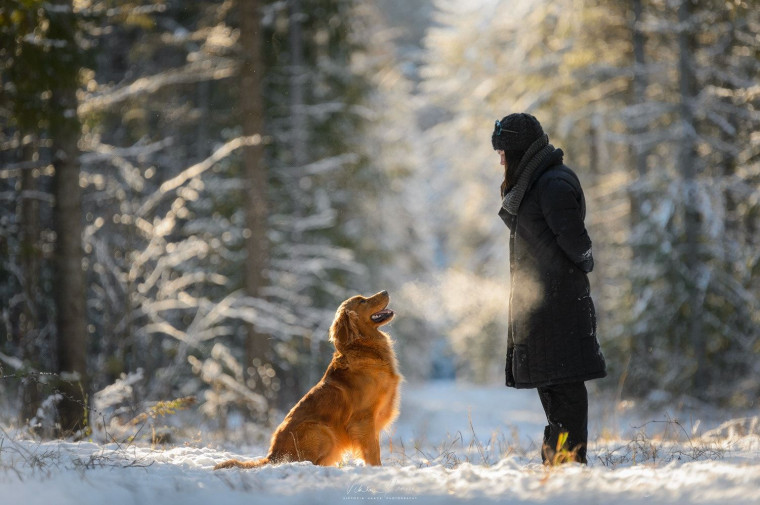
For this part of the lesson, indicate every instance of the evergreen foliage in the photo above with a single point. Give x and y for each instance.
(672, 135)
(376, 137)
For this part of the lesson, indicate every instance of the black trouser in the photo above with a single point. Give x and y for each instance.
(566, 407)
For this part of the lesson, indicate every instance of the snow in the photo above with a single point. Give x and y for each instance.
(453, 443)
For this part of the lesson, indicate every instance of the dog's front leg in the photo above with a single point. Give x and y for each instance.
(371, 450)
(366, 439)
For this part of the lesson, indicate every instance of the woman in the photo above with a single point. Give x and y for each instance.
(551, 339)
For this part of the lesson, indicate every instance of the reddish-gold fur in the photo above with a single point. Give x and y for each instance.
(357, 397)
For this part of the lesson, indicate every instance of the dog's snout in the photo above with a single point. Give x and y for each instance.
(384, 293)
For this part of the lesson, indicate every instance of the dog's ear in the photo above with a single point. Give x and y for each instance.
(344, 328)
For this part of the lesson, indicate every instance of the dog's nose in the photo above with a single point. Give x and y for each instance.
(384, 293)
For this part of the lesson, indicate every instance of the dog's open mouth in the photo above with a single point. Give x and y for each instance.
(383, 315)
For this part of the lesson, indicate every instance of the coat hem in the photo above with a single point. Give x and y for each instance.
(559, 380)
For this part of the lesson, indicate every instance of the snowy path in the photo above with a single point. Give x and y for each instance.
(453, 444)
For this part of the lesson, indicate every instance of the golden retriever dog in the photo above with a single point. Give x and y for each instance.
(357, 397)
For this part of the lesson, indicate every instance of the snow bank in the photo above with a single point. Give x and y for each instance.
(452, 444)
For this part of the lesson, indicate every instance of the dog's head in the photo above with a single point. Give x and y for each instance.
(360, 317)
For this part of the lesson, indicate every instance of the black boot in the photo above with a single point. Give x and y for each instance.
(566, 436)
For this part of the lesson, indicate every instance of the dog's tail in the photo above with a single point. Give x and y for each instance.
(230, 463)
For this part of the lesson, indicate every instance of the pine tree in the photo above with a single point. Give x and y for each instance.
(42, 63)
(684, 255)
(255, 171)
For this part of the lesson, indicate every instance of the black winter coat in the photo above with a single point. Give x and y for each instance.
(552, 321)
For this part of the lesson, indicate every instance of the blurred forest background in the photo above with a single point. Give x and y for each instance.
(189, 189)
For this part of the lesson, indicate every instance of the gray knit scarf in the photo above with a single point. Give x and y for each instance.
(531, 160)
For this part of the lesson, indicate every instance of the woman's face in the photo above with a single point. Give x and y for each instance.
(503, 161)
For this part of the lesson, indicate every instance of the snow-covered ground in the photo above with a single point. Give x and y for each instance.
(451, 444)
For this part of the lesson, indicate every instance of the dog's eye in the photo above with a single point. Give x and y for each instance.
(364, 301)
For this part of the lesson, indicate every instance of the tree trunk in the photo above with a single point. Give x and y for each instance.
(31, 257)
(641, 348)
(299, 126)
(69, 286)
(639, 84)
(255, 173)
(299, 135)
(687, 166)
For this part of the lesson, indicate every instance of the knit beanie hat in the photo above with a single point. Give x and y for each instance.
(516, 132)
